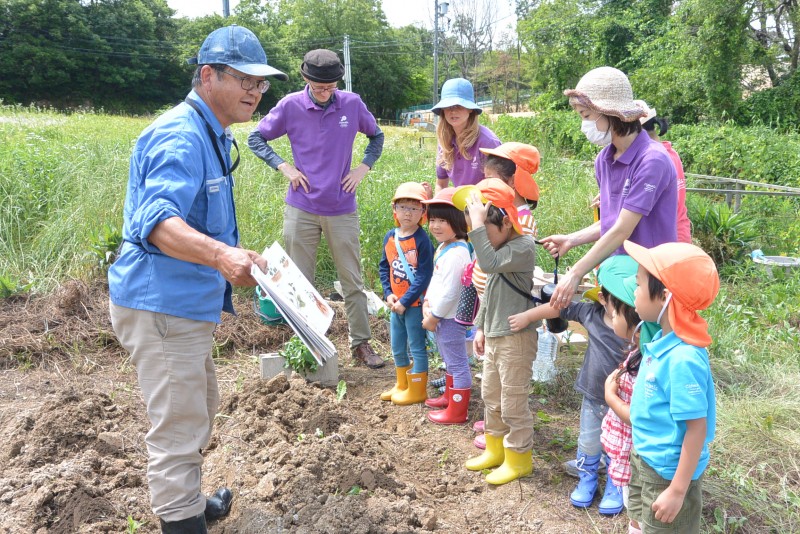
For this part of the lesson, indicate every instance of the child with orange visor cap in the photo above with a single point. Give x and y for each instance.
(672, 409)
(508, 257)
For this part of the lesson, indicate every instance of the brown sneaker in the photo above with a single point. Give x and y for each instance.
(367, 356)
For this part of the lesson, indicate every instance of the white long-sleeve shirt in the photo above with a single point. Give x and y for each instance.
(445, 286)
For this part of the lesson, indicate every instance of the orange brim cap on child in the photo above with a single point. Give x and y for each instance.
(691, 276)
(527, 159)
(411, 191)
(501, 196)
(444, 196)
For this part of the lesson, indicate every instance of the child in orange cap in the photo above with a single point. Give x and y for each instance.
(672, 410)
(448, 226)
(405, 270)
(508, 257)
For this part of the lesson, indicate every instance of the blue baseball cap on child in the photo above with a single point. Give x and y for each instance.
(238, 48)
(457, 92)
(618, 276)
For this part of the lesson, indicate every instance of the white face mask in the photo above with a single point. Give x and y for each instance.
(595, 136)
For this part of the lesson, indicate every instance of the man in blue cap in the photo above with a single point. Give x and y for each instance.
(180, 257)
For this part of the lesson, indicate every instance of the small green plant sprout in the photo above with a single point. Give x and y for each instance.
(10, 287)
(298, 357)
(543, 417)
(301, 437)
(133, 526)
(725, 524)
(319, 433)
(341, 390)
(384, 313)
(355, 490)
(443, 458)
(104, 245)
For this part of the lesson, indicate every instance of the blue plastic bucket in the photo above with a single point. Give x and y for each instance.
(265, 309)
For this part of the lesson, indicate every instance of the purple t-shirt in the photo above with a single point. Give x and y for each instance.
(322, 146)
(469, 171)
(643, 181)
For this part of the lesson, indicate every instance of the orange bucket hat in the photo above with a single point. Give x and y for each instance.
(691, 276)
(527, 159)
(502, 196)
(411, 191)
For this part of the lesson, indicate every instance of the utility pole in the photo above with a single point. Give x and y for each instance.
(439, 11)
(226, 8)
(348, 81)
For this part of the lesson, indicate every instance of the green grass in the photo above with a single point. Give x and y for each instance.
(63, 178)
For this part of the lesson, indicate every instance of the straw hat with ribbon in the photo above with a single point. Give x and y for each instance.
(606, 90)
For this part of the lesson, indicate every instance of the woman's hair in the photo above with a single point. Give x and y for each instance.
(661, 122)
(452, 215)
(504, 167)
(445, 135)
(622, 128)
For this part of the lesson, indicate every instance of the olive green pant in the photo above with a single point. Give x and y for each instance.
(645, 487)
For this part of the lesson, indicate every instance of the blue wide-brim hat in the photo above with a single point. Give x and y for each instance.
(457, 92)
(238, 48)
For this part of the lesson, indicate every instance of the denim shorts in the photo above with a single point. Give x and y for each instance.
(646, 485)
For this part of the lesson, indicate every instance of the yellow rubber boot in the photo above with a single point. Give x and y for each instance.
(400, 385)
(416, 392)
(491, 457)
(516, 465)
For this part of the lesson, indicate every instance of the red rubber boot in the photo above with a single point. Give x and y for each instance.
(456, 411)
(444, 399)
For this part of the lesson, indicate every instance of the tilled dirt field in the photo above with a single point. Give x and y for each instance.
(72, 426)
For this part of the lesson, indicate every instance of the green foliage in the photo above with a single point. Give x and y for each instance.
(776, 107)
(104, 245)
(132, 526)
(726, 236)
(10, 287)
(341, 390)
(298, 357)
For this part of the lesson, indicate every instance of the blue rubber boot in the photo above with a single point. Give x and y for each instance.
(583, 494)
(611, 503)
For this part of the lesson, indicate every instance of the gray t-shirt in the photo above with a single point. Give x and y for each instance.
(604, 353)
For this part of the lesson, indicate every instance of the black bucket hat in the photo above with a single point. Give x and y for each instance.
(322, 66)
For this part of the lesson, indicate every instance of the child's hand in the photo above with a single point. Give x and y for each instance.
(518, 321)
(477, 210)
(429, 323)
(479, 343)
(668, 504)
(612, 387)
(398, 308)
(391, 299)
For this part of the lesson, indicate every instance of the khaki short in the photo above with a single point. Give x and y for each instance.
(646, 485)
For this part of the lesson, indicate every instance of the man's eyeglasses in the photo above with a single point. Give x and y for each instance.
(319, 90)
(248, 84)
(409, 209)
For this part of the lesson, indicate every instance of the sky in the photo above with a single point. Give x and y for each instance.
(398, 12)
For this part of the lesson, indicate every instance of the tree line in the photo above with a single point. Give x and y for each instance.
(694, 60)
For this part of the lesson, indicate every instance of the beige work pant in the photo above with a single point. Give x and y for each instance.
(506, 380)
(176, 374)
(301, 235)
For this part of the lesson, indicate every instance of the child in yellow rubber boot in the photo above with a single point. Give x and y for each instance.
(405, 270)
(508, 257)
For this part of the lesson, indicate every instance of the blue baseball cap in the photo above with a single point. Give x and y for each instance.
(238, 48)
(618, 275)
(457, 92)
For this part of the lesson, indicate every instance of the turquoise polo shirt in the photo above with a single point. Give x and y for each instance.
(175, 172)
(674, 385)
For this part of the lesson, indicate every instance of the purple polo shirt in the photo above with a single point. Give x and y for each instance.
(469, 171)
(322, 146)
(642, 180)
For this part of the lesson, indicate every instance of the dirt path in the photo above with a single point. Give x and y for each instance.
(72, 426)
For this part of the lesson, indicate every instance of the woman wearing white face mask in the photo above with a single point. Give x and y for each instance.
(637, 181)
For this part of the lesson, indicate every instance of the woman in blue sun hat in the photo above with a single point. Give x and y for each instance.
(460, 137)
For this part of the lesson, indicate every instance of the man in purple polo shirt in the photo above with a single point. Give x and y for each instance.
(322, 124)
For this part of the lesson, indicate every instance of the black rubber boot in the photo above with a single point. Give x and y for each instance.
(192, 525)
(219, 504)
